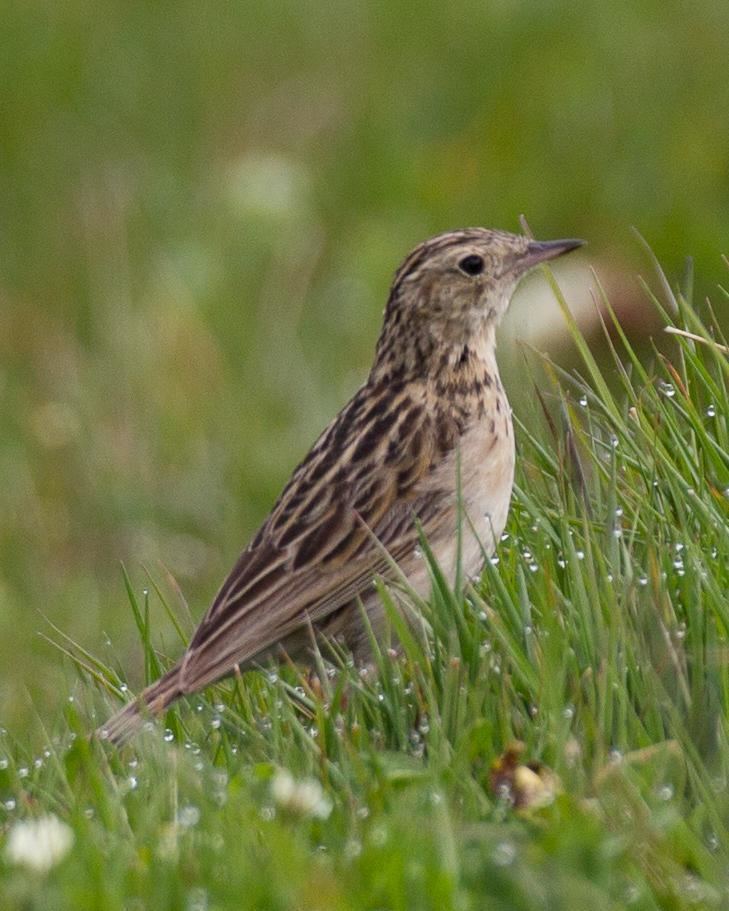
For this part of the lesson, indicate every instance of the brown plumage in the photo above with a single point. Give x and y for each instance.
(432, 406)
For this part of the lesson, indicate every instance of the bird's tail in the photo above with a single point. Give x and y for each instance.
(151, 702)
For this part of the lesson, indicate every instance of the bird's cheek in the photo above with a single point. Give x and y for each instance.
(500, 303)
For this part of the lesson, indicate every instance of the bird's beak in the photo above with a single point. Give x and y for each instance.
(539, 251)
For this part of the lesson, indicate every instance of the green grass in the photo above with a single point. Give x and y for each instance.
(597, 638)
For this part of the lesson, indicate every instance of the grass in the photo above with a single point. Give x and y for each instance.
(597, 639)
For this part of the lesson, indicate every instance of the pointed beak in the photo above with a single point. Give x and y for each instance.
(538, 251)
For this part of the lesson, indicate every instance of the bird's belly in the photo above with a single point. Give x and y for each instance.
(486, 480)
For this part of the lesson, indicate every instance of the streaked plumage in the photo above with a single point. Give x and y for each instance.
(432, 405)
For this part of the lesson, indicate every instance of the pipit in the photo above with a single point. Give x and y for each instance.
(430, 429)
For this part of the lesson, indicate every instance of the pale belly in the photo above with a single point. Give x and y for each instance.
(487, 476)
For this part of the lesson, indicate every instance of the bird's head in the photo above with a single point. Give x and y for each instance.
(455, 287)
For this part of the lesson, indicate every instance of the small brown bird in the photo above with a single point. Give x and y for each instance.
(432, 409)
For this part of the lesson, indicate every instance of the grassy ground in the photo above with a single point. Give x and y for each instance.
(597, 639)
(202, 206)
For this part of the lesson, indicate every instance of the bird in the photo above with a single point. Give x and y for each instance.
(425, 443)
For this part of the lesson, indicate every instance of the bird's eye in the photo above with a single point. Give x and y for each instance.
(471, 265)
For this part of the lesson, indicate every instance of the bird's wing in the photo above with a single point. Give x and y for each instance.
(356, 494)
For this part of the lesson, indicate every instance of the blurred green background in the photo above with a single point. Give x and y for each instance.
(202, 206)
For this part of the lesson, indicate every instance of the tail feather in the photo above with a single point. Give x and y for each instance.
(151, 702)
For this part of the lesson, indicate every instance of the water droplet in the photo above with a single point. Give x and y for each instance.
(568, 712)
(580, 554)
(665, 792)
(23, 772)
(711, 411)
(168, 736)
(418, 553)
(643, 581)
(583, 401)
(666, 389)
(132, 782)
(9, 804)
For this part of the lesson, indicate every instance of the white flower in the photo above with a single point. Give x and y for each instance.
(38, 844)
(306, 797)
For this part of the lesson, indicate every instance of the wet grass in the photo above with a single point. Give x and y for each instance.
(597, 639)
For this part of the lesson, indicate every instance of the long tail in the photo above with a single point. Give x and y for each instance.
(151, 702)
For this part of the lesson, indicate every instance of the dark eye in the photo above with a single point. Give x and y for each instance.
(471, 265)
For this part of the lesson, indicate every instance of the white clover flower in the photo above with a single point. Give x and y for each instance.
(305, 798)
(38, 844)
